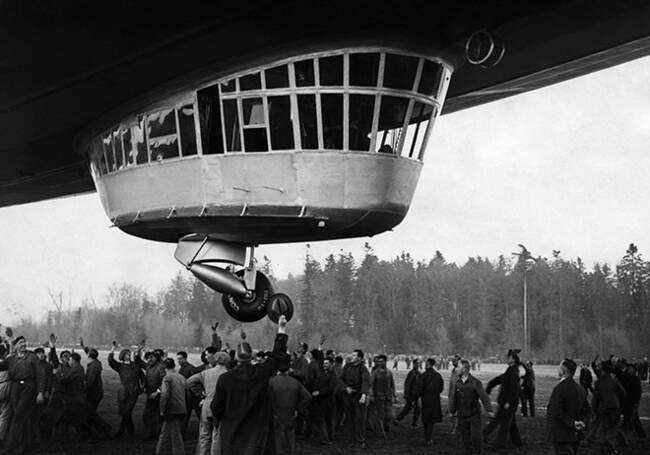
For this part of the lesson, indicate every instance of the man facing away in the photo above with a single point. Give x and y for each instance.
(464, 403)
(567, 411)
(431, 387)
(411, 395)
(288, 397)
(357, 385)
(241, 403)
(172, 410)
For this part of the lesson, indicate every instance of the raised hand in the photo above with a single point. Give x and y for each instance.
(214, 326)
(242, 334)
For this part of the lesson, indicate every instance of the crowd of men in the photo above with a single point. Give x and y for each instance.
(250, 402)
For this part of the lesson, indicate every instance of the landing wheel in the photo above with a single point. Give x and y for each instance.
(280, 304)
(252, 307)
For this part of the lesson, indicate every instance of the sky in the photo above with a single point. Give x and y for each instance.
(562, 168)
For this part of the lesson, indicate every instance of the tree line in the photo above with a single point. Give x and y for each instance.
(395, 306)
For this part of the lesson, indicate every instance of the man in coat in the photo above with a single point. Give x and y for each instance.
(567, 411)
(431, 386)
(127, 394)
(241, 404)
(27, 390)
(95, 392)
(154, 371)
(74, 397)
(382, 395)
(528, 390)
(508, 400)
(606, 403)
(186, 369)
(411, 397)
(5, 394)
(357, 386)
(172, 410)
(464, 403)
(323, 401)
(288, 397)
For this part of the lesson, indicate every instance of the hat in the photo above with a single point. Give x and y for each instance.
(123, 353)
(244, 352)
(284, 363)
(514, 353)
(17, 340)
(304, 346)
(222, 358)
(150, 354)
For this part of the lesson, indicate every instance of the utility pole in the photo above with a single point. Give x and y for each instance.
(525, 259)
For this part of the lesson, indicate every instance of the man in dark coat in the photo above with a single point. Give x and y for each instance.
(27, 391)
(606, 403)
(508, 400)
(528, 390)
(586, 379)
(186, 369)
(95, 392)
(630, 408)
(431, 387)
(127, 394)
(74, 397)
(323, 401)
(298, 371)
(382, 396)
(172, 410)
(411, 395)
(464, 403)
(567, 411)
(357, 386)
(154, 372)
(241, 403)
(288, 398)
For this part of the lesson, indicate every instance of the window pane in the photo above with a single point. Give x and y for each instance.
(331, 70)
(163, 148)
(98, 152)
(424, 117)
(304, 73)
(332, 106)
(277, 77)
(255, 140)
(416, 128)
(117, 142)
(187, 130)
(281, 124)
(210, 120)
(129, 152)
(250, 82)
(400, 71)
(228, 86)
(364, 69)
(253, 111)
(391, 119)
(137, 142)
(162, 123)
(308, 124)
(231, 120)
(430, 79)
(362, 108)
(107, 142)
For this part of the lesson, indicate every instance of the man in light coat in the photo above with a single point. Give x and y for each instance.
(172, 410)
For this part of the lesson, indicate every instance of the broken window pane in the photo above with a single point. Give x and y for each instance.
(161, 123)
(308, 123)
(255, 140)
(210, 120)
(164, 147)
(277, 77)
(250, 82)
(364, 69)
(107, 143)
(137, 141)
(304, 73)
(362, 108)
(228, 86)
(331, 70)
(391, 119)
(430, 79)
(281, 125)
(400, 71)
(253, 111)
(231, 120)
(187, 130)
(117, 145)
(332, 106)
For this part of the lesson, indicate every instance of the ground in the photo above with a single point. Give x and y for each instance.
(402, 440)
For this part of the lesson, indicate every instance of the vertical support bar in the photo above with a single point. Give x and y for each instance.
(405, 125)
(319, 113)
(240, 116)
(178, 131)
(375, 115)
(297, 139)
(265, 106)
(346, 101)
(197, 124)
(223, 123)
(145, 132)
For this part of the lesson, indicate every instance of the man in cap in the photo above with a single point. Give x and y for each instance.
(411, 395)
(127, 394)
(186, 369)
(95, 390)
(357, 386)
(508, 400)
(172, 409)
(567, 411)
(75, 409)
(452, 384)
(464, 403)
(288, 397)
(323, 404)
(27, 390)
(528, 390)
(154, 371)
(299, 367)
(241, 403)
(431, 387)
(202, 385)
(382, 395)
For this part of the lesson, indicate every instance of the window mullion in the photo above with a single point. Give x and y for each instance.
(295, 120)
(265, 105)
(178, 132)
(240, 117)
(197, 125)
(222, 112)
(145, 124)
(405, 125)
(346, 102)
(319, 114)
(427, 133)
(375, 115)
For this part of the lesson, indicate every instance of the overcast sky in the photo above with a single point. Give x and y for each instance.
(564, 168)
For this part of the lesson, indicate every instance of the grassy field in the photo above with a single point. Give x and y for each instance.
(402, 440)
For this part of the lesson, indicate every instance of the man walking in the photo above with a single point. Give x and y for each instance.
(432, 386)
(172, 410)
(411, 395)
(464, 403)
(567, 411)
(357, 385)
(382, 395)
(528, 390)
